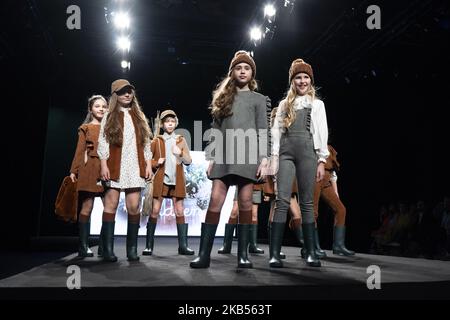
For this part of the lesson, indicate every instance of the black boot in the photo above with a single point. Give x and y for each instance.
(182, 229)
(319, 252)
(276, 239)
(310, 253)
(269, 228)
(299, 235)
(339, 242)
(227, 239)
(108, 241)
(206, 244)
(243, 232)
(132, 237)
(149, 239)
(83, 247)
(253, 247)
(100, 245)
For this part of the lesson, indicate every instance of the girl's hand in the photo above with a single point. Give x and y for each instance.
(320, 172)
(148, 173)
(104, 173)
(273, 165)
(176, 150)
(161, 161)
(262, 169)
(73, 177)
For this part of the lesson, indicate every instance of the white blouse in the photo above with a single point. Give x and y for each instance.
(129, 163)
(319, 127)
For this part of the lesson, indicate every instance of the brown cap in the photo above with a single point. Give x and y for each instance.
(297, 66)
(242, 56)
(167, 113)
(119, 84)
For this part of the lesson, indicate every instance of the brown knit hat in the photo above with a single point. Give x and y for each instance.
(119, 84)
(242, 56)
(297, 66)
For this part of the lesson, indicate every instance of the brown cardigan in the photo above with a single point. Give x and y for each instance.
(158, 147)
(86, 164)
(115, 151)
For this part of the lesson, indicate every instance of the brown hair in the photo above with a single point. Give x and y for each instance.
(223, 97)
(91, 102)
(114, 130)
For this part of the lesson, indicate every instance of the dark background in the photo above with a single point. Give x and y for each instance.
(385, 91)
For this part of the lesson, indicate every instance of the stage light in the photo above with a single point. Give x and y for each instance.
(124, 43)
(121, 20)
(125, 64)
(269, 10)
(255, 34)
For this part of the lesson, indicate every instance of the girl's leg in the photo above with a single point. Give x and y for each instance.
(253, 245)
(306, 167)
(295, 224)
(209, 227)
(182, 227)
(245, 200)
(108, 224)
(286, 174)
(87, 203)
(151, 226)
(229, 229)
(132, 201)
(331, 198)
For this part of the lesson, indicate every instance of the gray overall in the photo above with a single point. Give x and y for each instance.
(297, 159)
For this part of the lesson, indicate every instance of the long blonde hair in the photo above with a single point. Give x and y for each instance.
(223, 97)
(288, 112)
(91, 101)
(113, 128)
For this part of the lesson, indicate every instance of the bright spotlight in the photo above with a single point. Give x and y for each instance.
(121, 20)
(255, 34)
(124, 43)
(125, 64)
(269, 10)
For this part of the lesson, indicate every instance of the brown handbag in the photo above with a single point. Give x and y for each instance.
(66, 203)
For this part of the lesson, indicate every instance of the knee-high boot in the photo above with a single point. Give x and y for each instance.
(253, 247)
(132, 237)
(269, 231)
(339, 242)
(206, 244)
(310, 252)
(148, 251)
(243, 231)
(227, 239)
(108, 241)
(276, 239)
(83, 247)
(182, 229)
(318, 250)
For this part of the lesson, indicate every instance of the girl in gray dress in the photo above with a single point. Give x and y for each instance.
(299, 150)
(237, 152)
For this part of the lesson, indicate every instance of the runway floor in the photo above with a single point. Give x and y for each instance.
(167, 275)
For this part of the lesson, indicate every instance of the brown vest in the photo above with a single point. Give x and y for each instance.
(115, 151)
(159, 151)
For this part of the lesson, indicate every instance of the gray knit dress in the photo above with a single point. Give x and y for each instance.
(238, 143)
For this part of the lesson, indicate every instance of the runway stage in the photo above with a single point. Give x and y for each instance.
(167, 275)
